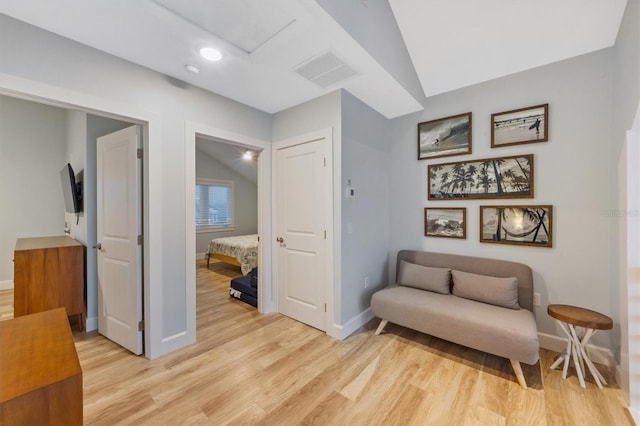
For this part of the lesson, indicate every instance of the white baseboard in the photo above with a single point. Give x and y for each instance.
(91, 324)
(347, 329)
(6, 285)
(635, 414)
(201, 255)
(597, 354)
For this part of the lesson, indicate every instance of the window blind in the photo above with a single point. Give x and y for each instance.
(214, 204)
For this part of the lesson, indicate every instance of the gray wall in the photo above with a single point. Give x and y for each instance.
(573, 172)
(32, 152)
(44, 58)
(626, 94)
(365, 217)
(245, 200)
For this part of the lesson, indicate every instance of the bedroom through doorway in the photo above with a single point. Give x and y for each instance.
(226, 221)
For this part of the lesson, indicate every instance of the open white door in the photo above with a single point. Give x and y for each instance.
(302, 182)
(118, 227)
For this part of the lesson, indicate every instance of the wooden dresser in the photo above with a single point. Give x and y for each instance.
(40, 375)
(49, 274)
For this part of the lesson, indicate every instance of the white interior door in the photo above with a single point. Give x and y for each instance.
(118, 227)
(302, 182)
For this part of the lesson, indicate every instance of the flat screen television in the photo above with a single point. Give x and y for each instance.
(71, 190)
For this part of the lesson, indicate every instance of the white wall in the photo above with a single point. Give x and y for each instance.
(245, 200)
(366, 147)
(68, 70)
(573, 172)
(32, 153)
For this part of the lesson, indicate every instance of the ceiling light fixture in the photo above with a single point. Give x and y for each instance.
(210, 54)
(248, 155)
(193, 69)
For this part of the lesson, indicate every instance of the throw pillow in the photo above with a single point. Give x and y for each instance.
(483, 288)
(424, 277)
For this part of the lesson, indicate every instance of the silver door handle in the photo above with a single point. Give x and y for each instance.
(280, 240)
(98, 246)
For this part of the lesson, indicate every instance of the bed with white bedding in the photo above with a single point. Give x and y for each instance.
(241, 251)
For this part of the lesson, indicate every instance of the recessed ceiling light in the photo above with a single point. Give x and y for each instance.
(192, 68)
(210, 54)
(248, 155)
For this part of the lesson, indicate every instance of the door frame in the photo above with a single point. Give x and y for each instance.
(151, 123)
(265, 296)
(330, 274)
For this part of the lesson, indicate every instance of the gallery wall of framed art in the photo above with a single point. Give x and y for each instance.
(509, 177)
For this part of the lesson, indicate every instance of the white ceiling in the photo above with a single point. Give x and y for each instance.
(452, 43)
(229, 155)
(457, 43)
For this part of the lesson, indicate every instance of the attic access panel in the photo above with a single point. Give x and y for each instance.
(247, 24)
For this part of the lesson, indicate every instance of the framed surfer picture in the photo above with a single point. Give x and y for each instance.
(519, 126)
(517, 225)
(444, 137)
(448, 222)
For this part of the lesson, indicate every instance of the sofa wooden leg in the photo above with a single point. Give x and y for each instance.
(381, 326)
(208, 259)
(517, 368)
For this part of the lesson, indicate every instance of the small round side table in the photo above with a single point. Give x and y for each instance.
(569, 317)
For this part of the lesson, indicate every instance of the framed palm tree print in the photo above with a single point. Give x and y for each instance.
(502, 177)
(517, 225)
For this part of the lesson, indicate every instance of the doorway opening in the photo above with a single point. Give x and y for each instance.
(208, 148)
(226, 219)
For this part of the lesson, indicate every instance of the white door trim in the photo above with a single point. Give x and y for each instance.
(35, 91)
(265, 297)
(329, 258)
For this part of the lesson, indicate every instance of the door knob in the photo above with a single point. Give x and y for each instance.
(98, 246)
(280, 240)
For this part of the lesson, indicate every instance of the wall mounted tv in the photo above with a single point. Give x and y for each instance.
(71, 189)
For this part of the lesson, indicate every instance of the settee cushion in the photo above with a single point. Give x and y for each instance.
(504, 332)
(424, 277)
(483, 288)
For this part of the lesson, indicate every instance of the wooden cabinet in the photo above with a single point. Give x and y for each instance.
(40, 377)
(49, 274)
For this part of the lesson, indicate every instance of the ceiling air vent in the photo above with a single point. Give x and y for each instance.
(325, 70)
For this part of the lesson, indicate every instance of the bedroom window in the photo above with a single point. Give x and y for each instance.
(214, 204)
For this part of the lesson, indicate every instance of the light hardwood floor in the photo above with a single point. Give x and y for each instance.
(248, 368)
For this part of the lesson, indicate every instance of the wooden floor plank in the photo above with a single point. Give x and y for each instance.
(248, 368)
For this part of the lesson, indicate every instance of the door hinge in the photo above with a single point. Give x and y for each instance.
(140, 239)
(325, 307)
(141, 325)
(258, 238)
(325, 235)
(325, 161)
(139, 153)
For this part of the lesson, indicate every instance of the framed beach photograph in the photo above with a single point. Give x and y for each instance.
(519, 126)
(448, 222)
(517, 225)
(502, 177)
(444, 137)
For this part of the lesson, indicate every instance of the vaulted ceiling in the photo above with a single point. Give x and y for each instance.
(276, 54)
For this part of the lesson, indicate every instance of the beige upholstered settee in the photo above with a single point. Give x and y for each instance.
(484, 304)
